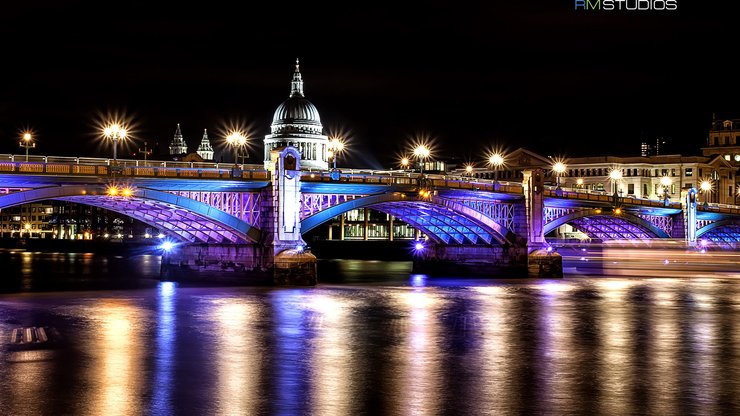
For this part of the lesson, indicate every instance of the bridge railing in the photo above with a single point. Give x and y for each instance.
(719, 208)
(60, 165)
(411, 179)
(597, 196)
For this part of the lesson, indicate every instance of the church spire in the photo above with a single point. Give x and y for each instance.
(205, 150)
(296, 86)
(178, 145)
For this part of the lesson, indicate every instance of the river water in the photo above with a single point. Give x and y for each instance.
(370, 339)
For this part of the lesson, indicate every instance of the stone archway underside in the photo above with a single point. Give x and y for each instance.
(606, 227)
(181, 223)
(726, 235)
(439, 222)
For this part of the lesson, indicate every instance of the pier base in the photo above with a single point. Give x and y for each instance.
(294, 268)
(461, 260)
(545, 265)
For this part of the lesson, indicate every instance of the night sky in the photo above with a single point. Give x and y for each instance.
(470, 76)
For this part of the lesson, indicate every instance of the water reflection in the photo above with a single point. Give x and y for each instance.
(238, 356)
(165, 345)
(416, 377)
(289, 357)
(332, 355)
(118, 332)
(585, 346)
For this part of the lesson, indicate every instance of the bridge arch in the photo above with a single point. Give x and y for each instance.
(624, 225)
(723, 231)
(444, 220)
(182, 218)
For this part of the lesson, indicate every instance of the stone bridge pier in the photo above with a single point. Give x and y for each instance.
(277, 258)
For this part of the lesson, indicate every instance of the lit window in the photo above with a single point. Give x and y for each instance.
(727, 157)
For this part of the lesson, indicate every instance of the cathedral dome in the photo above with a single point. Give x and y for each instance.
(296, 114)
(296, 110)
(297, 123)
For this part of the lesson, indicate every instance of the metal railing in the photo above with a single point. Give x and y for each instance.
(86, 166)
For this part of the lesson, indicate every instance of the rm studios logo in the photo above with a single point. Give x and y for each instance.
(626, 5)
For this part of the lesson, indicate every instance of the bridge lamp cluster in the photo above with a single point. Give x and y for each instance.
(336, 145)
(237, 140)
(422, 152)
(496, 160)
(425, 193)
(115, 132)
(116, 191)
(559, 168)
(27, 142)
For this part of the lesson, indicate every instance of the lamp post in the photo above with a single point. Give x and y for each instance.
(469, 170)
(665, 182)
(615, 175)
(706, 188)
(27, 142)
(115, 132)
(335, 147)
(146, 152)
(421, 152)
(404, 163)
(496, 160)
(237, 140)
(559, 169)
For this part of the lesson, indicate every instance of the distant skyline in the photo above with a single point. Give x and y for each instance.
(539, 75)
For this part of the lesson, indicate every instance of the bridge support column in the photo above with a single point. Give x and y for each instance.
(281, 225)
(541, 262)
(690, 216)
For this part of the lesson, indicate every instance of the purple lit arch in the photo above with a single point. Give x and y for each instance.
(443, 220)
(607, 226)
(182, 218)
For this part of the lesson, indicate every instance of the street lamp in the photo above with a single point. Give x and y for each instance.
(496, 160)
(237, 140)
(469, 170)
(404, 163)
(559, 169)
(615, 175)
(115, 132)
(335, 147)
(706, 188)
(27, 142)
(579, 183)
(421, 152)
(665, 182)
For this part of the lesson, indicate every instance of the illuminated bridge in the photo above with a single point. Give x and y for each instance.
(252, 219)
